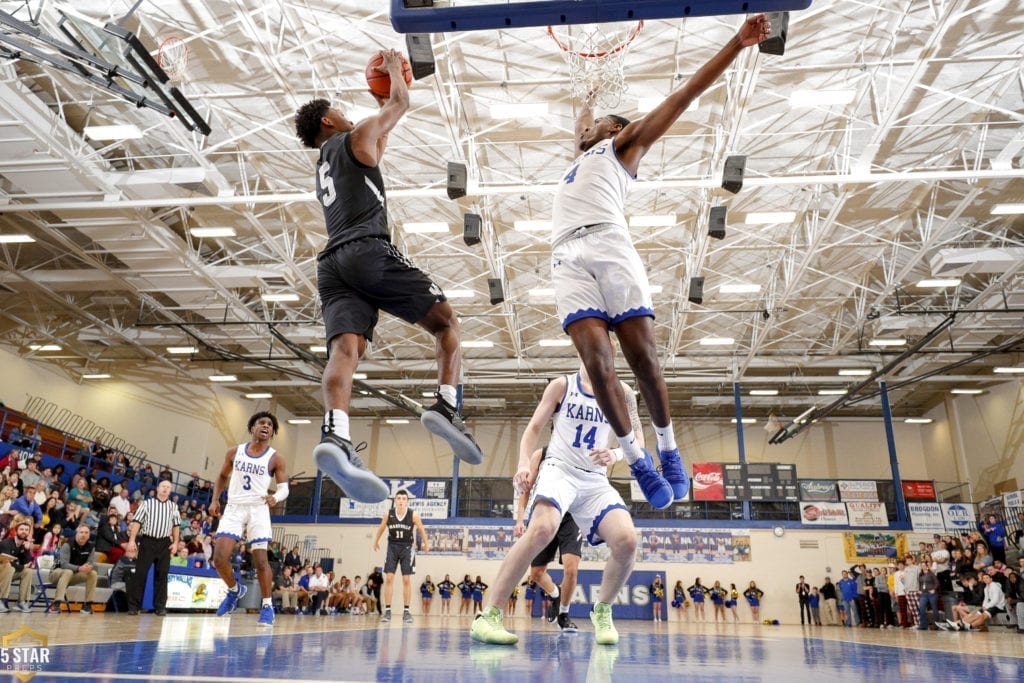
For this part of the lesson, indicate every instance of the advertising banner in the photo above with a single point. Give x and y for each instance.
(708, 481)
(857, 490)
(1013, 499)
(926, 517)
(874, 546)
(819, 489)
(959, 517)
(194, 592)
(822, 513)
(867, 513)
(919, 490)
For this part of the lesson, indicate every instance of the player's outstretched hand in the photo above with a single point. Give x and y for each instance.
(754, 30)
(602, 456)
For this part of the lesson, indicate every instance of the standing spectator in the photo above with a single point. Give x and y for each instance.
(883, 599)
(828, 598)
(929, 595)
(479, 588)
(76, 564)
(940, 565)
(445, 589)
(912, 585)
(995, 534)
(166, 474)
(16, 560)
(814, 602)
(27, 505)
(718, 600)
(657, 590)
(286, 590)
(679, 600)
(848, 593)
(803, 590)
(427, 589)
(753, 594)
(866, 596)
(120, 502)
(730, 603)
(156, 525)
(193, 486)
(697, 593)
(466, 589)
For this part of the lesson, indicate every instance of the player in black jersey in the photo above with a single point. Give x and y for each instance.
(399, 523)
(360, 273)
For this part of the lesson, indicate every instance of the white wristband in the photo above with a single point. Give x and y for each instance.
(617, 452)
(281, 493)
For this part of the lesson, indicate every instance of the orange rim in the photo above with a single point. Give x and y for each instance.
(604, 53)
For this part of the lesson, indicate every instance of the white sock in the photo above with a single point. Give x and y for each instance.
(630, 448)
(555, 595)
(268, 602)
(234, 589)
(449, 394)
(337, 422)
(666, 437)
(563, 609)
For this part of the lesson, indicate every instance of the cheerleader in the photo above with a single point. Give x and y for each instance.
(479, 588)
(753, 594)
(697, 593)
(512, 600)
(657, 597)
(466, 588)
(427, 589)
(734, 597)
(445, 589)
(718, 595)
(680, 602)
(529, 595)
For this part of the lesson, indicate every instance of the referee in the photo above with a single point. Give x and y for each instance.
(156, 521)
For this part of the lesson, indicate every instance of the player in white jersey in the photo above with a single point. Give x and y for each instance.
(251, 467)
(599, 279)
(572, 479)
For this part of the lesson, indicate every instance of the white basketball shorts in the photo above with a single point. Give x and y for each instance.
(251, 522)
(600, 275)
(587, 496)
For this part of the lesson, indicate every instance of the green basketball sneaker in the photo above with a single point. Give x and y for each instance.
(604, 629)
(487, 628)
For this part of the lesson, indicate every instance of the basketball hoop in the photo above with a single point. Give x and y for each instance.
(596, 58)
(173, 58)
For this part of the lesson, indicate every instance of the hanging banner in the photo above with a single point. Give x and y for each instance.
(1013, 499)
(819, 489)
(429, 508)
(711, 546)
(959, 517)
(919, 490)
(857, 490)
(708, 481)
(874, 546)
(488, 542)
(820, 514)
(867, 513)
(446, 540)
(926, 517)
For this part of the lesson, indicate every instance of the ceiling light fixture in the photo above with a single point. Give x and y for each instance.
(831, 392)
(1008, 371)
(820, 98)
(541, 293)
(887, 342)
(223, 378)
(283, 297)
(96, 375)
(181, 350)
(429, 226)
(663, 221)
(44, 347)
(477, 344)
(212, 232)
(939, 283)
(855, 372)
(764, 392)
(1007, 209)
(555, 342)
(769, 217)
(259, 395)
(396, 421)
(918, 420)
(16, 239)
(318, 348)
(746, 420)
(358, 375)
(531, 226)
(299, 421)
(460, 293)
(967, 392)
(123, 131)
(717, 341)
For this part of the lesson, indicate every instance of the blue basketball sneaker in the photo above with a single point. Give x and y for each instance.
(656, 490)
(674, 472)
(266, 616)
(230, 601)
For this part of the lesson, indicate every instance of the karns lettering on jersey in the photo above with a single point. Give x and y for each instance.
(257, 468)
(584, 412)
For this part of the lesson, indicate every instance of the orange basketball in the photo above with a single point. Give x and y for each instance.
(380, 81)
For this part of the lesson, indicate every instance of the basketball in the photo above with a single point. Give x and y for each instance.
(380, 81)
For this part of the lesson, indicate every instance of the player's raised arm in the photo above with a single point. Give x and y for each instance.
(584, 120)
(370, 135)
(632, 143)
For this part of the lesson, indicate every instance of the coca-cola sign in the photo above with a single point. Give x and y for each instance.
(708, 481)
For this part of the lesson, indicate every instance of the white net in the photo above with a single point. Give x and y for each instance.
(596, 55)
(173, 57)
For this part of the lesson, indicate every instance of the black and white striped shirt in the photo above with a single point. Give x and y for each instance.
(157, 518)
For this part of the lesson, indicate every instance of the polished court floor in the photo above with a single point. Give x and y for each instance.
(110, 647)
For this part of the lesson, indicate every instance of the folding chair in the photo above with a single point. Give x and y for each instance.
(47, 562)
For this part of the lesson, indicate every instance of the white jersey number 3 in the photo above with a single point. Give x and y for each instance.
(327, 185)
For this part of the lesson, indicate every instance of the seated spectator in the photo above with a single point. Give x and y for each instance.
(118, 463)
(121, 575)
(993, 604)
(166, 474)
(111, 541)
(8, 494)
(205, 493)
(102, 495)
(194, 545)
(17, 435)
(180, 558)
(292, 559)
(364, 596)
(121, 503)
(193, 486)
(31, 476)
(80, 492)
(75, 564)
(274, 552)
(83, 453)
(51, 542)
(58, 474)
(337, 596)
(302, 587)
(319, 585)
(982, 556)
(14, 479)
(27, 505)
(16, 560)
(54, 512)
(972, 597)
(287, 591)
